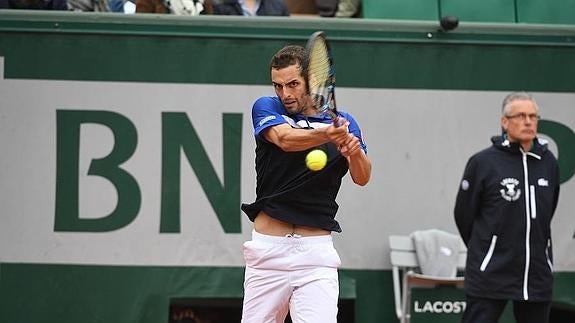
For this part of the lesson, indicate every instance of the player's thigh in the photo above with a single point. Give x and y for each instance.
(266, 296)
(315, 300)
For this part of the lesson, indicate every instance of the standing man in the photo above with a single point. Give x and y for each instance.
(291, 264)
(503, 212)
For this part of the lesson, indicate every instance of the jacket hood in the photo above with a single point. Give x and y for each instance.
(539, 147)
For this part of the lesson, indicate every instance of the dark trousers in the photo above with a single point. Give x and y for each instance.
(484, 310)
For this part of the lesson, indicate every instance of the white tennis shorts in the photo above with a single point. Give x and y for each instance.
(291, 273)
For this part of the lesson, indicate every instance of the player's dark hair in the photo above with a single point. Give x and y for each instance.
(288, 56)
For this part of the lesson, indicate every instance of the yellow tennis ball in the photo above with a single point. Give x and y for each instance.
(316, 160)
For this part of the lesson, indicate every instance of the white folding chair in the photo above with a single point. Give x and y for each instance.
(406, 274)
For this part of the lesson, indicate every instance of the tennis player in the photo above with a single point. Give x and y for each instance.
(291, 263)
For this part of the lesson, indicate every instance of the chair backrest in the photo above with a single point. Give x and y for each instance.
(404, 262)
(403, 254)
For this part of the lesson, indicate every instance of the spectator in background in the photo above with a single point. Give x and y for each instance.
(250, 8)
(338, 8)
(348, 9)
(88, 5)
(326, 8)
(119, 6)
(122, 6)
(34, 4)
(151, 6)
(176, 7)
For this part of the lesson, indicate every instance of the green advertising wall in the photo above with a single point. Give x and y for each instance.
(227, 50)
(508, 11)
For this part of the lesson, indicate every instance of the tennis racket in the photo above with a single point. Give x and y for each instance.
(320, 72)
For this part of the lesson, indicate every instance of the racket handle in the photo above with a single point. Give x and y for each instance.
(335, 118)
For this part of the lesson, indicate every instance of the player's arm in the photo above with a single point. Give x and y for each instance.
(359, 167)
(358, 162)
(294, 139)
(355, 151)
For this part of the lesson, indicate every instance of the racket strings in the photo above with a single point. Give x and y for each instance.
(319, 74)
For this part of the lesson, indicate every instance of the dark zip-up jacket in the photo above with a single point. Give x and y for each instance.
(503, 212)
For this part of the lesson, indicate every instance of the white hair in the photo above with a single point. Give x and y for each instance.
(514, 96)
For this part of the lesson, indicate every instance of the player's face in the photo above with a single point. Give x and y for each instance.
(290, 88)
(520, 121)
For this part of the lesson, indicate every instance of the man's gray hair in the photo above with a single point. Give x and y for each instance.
(513, 96)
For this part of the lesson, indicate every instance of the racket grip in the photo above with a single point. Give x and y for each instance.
(334, 118)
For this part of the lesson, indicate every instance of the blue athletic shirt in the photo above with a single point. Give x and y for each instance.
(286, 189)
